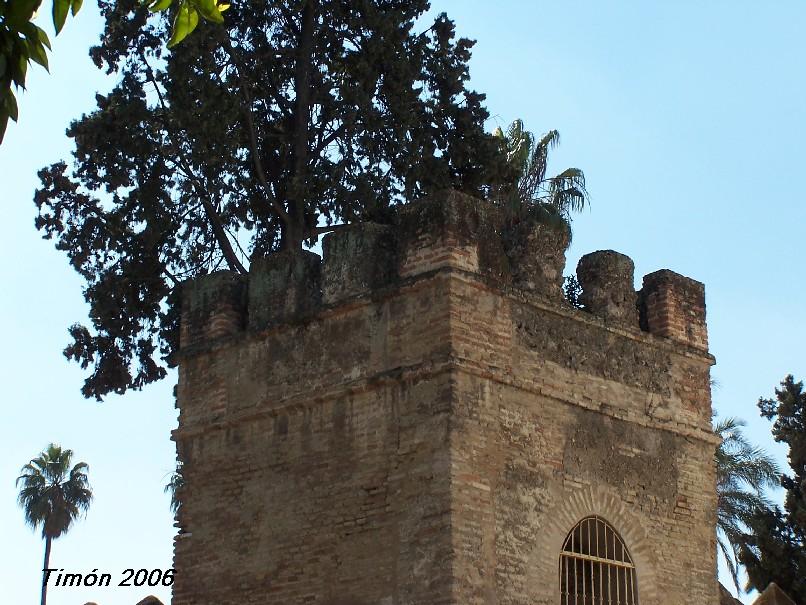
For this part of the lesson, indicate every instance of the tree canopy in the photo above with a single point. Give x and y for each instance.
(249, 138)
(775, 550)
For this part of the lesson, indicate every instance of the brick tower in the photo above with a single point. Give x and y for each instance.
(421, 418)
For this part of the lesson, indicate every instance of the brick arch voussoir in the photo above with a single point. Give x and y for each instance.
(581, 503)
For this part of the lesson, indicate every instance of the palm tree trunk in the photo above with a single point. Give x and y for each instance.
(44, 571)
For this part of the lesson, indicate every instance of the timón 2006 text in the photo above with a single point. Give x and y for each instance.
(131, 577)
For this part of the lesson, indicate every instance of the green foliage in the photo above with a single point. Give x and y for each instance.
(526, 188)
(60, 10)
(173, 487)
(245, 140)
(52, 492)
(776, 547)
(22, 42)
(742, 472)
(187, 15)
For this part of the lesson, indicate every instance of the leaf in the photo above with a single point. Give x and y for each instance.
(60, 10)
(22, 11)
(19, 70)
(38, 53)
(76, 6)
(549, 140)
(35, 35)
(159, 5)
(3, 124)
(43, 37)
(10, 105)
(209, 10)
(186, 21)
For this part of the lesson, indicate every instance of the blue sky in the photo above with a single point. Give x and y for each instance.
(687, 118)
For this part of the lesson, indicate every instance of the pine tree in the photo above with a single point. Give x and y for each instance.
(776, 547)
(247, 138)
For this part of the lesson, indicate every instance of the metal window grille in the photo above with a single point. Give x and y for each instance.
(595, 566)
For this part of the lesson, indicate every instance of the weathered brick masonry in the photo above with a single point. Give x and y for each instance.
(422, 418)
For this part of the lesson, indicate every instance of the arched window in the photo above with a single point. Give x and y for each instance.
(595, 566)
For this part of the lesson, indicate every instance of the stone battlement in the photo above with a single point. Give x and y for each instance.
(453, 232)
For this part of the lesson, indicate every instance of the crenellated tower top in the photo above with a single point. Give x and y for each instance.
(420, 416)
(450, 231)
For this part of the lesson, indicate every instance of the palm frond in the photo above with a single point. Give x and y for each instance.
(519, 146)
(742, 472)
(531, 191)
(174, 485)
(740, 461)
(534, 173)
(731, 559)
(550, 140)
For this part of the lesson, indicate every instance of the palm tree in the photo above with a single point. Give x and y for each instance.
(52, 495)
(742, 472)
(549, 199)
(175, 483)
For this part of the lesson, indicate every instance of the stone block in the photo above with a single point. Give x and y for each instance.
(357, 259)
(213, 307)
(283, 287)
(536, 252)
(451, 229)
(673, 306)
(606, 278)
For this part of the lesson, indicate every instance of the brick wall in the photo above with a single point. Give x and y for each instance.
(415, 420)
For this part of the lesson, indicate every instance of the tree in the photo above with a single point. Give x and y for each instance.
(742, 472)
(776, 547)
(244, 141)
(551, 199)
(52, 495)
